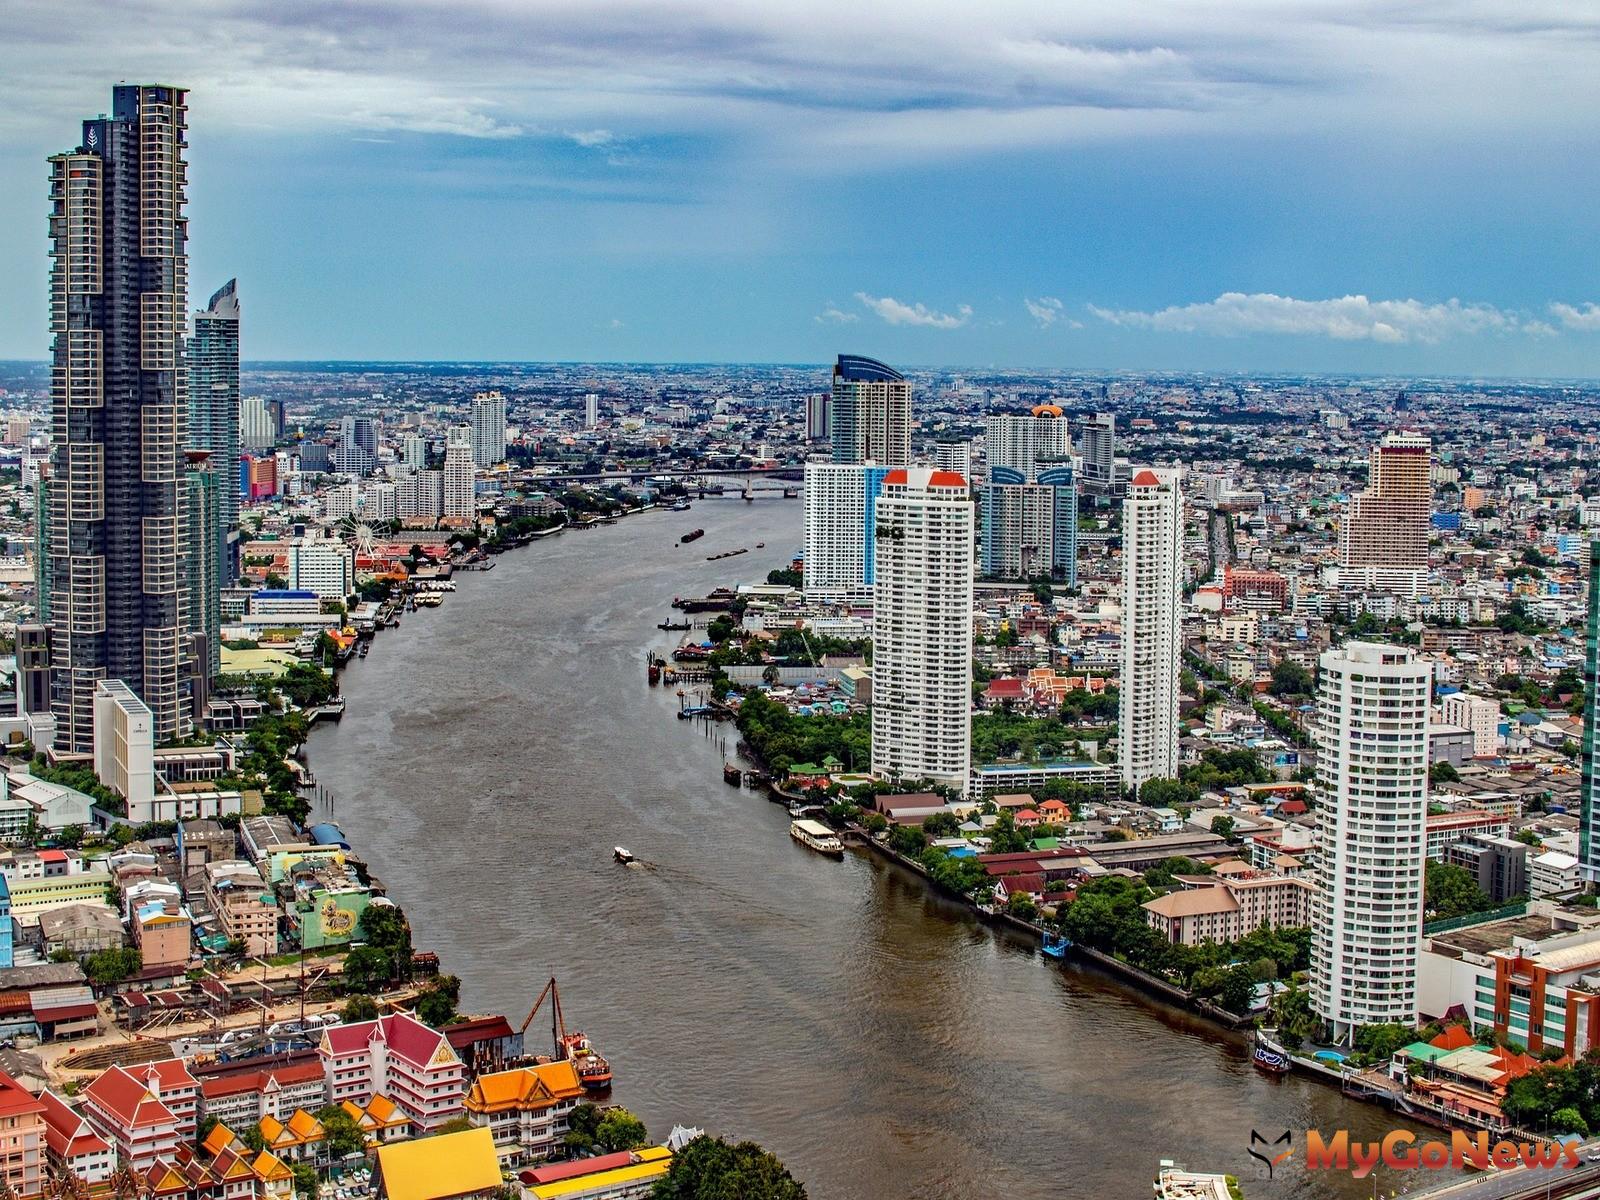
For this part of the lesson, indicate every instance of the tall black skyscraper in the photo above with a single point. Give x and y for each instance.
(119, 396)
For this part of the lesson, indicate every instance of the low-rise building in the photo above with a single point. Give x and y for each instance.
(1225, 909)
(399, 1057)
(626, 1175)
(146, 1112)
(72, 1143)
(22, 1139)
(526, 1110)
(244, 905)
(450, 1166)
(242, 1098)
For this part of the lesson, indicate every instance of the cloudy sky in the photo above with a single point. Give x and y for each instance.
(1375, 185)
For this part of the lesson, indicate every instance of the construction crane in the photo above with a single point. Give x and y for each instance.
(558, 1025)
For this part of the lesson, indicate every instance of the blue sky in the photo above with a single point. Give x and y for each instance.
(1251, 184)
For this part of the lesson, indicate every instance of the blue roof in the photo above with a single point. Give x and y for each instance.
(858, 369)
(282, 594)
(327, 834)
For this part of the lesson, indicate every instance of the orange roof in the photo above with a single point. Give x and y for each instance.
(1147, 478)
(16, 1100)
(526, 1087)
(1454, 1038)
(947, 479)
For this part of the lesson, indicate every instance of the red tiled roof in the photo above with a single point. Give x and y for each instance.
(947, 479)
(408, 1037)
(898, 475)
(479, 1029)
(260, 1081)
(1147, 478)
(65, 1131)
(65, 1012)
(582, 1166)
(16, 1100)
(126, 1100)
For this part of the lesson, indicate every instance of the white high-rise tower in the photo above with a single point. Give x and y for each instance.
(922, 628)
(459, 498)
(1152, 626)
(1372, 779)
(488, 429)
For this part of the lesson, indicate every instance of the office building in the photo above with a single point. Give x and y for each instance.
(1097, 444)
(119, 401)
(325, 566)
(207, 560)
(379, 504)
(1386, 526)
(591, 410)
(361, 432)
(314, 457)
(1021, 442)
(256, 430)
(1371, 735)
(1589, 785)
(124, 747)
(488, 429)
(340, 501)
(258, 478)
(352, 459)
(33, 667)
(215, 414)
(870, 415)
(1152, 626)
(922, 628)
(460, 499)
(817, 428)
(953, 454)
(840, 508)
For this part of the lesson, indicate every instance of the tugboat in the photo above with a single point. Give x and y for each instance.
(594, 1072)
(621, 855)
(730, 774)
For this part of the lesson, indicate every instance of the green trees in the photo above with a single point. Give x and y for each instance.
(305, 1179)
(609, 1129)
(386, 927)
(341, 1134)
(1290, 679)
(436, 1006)
(367, 969)
(1291, 1013)
(712, 1169)
(1450, 891)
(783, 739)
(358, 1008)
(112, 966)
(1443, 772)
(1168, 793)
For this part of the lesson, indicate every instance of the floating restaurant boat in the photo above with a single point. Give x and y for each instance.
(816, 836)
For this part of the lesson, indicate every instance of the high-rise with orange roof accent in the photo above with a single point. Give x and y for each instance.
(1152, 626)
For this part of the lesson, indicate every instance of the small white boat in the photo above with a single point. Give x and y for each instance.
(816, 836)
(622, 856)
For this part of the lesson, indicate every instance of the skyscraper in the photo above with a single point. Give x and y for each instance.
(1371, 735)
(256, 428)
(214, 414)
(841, 504)
(953, 454)
(1589, 788)
(1386, 526)
(922, 628)
(817, 416)
(591, 410)
(460, 500)
(1020, 442)
(1152, 626)
(870, 417)
(488, 429)
(204, 489)
(415, 452)
(1030, 501)
(119, 399)
(1097, 443)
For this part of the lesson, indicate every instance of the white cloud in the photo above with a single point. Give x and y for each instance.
(591, 139)
(896, 313)
(834, 315)
(1585, 319)
(1347, 318)
(1045, 311)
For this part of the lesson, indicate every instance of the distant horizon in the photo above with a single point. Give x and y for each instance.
(1110, 372)
(1398, 191)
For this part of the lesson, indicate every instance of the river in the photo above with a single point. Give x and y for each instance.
(876, 1037)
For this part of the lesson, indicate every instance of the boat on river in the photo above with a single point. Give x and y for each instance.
(1269, 1055)
(1055, 945)
(816, 836)
(622, 855)
(730, 774)
(692, 535)
(594, 1072)
(674, 626)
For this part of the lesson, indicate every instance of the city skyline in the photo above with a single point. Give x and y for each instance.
(1391, 193)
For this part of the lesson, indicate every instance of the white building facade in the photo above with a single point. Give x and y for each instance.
(488, 429)
(1152, 626)
(1371, 736)
(922, 628)
(840, 553)
(460, 500)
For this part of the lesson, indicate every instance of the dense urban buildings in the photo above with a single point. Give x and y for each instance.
(1030, 501)
(1152, 626)
(118, 313)
(1372, 776)
(215, 414)
(1589, 810)
(922, 628)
